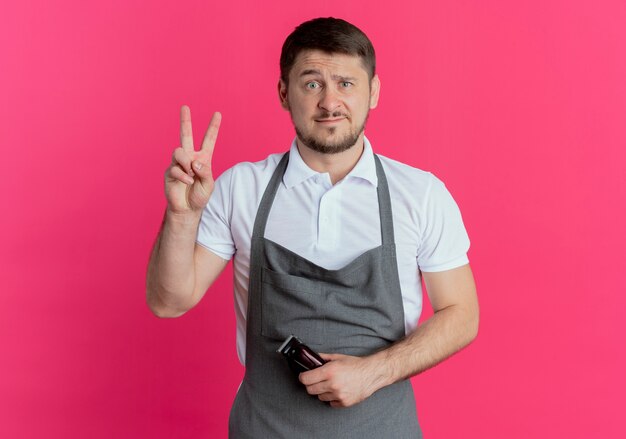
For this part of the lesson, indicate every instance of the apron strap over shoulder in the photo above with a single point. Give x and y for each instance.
(268, 197)
(384, 205)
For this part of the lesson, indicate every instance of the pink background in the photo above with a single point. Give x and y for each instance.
(520, 107)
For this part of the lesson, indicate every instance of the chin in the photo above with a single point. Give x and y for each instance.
(330, 140)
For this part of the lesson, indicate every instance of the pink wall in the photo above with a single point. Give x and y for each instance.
(519, 107)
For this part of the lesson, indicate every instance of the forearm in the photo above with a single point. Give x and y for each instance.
(171, 272)
(346, 380)
(446, 332)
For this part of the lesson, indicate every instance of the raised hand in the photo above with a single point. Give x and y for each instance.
(188, 180)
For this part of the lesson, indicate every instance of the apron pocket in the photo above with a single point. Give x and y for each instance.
(292, 305)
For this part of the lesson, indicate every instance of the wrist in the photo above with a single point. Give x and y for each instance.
(189, 218)
(380, 369)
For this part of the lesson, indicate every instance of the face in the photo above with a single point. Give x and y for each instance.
(329, 97)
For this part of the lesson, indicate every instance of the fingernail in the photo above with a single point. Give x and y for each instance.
(197, 165)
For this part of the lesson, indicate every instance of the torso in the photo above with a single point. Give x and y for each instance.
(329, 225)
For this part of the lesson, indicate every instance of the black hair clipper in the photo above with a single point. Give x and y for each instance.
(299, 356)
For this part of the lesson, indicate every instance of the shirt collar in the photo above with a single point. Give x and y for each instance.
(365, 168)
(297, 171)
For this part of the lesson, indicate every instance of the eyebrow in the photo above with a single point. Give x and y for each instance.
(335, 77)
(310, 72)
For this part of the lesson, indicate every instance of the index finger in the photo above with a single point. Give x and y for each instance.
(313, 376)
(186, 134)
(208, 143)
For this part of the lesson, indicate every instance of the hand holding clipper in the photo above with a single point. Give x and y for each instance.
(299, 356)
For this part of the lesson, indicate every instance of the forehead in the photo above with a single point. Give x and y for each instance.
(334, 63)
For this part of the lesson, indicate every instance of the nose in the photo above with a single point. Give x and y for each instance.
(329, 100)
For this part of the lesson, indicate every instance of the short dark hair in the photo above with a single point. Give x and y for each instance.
(330, 35)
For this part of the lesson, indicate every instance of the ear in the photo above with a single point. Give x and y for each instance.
(282, 94)
(374, 91)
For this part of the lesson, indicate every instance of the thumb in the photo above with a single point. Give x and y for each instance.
(202, 170)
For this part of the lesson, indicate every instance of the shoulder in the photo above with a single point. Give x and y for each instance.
(243, 174)
(407, 179)
(416, 189)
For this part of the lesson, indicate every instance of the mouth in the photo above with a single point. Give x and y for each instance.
(330, 121)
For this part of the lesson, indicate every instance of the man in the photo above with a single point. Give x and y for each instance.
(330, 244)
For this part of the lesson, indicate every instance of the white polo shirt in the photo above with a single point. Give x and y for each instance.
(332, 225)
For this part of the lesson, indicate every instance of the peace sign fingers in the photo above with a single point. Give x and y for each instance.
(202, 160)
(208, 144)
(186, 134)
(189, 179)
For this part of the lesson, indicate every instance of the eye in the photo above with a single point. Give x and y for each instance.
(312, 85)
(345, 84)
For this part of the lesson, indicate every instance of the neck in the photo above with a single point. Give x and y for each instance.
(337, 165)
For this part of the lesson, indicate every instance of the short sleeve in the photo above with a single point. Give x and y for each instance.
(214, 230)
(445, 241)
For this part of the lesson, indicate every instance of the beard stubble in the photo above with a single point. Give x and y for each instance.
(341, 145)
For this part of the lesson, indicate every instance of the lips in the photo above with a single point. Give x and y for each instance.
(338, 119)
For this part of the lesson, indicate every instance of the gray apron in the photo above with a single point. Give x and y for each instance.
(355, 310)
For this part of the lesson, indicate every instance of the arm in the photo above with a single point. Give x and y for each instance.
(346, 380)
(179, 271)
